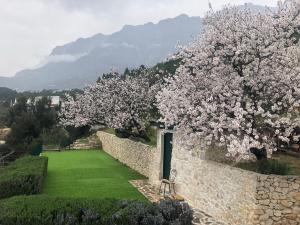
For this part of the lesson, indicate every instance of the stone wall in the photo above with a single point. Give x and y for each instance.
(236, 196)
(224, 192)
(278, 200)
(230, 194)
(3, 133)
(136, 155)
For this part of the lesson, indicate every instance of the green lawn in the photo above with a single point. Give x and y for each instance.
(91, 174)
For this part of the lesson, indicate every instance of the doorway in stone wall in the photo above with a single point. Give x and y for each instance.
(168, 145)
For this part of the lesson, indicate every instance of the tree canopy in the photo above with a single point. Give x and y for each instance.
(239, 83)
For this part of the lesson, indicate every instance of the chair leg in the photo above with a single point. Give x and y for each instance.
(170, 189)
(165, 190)
(160, 191)
(174, 188)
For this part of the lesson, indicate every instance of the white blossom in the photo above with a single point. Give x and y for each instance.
(120, 102)
(239, 81)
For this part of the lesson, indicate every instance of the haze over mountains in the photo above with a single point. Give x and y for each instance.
(79, 63)
(76, 64)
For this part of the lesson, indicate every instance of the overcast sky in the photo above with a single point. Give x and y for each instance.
(30, 29)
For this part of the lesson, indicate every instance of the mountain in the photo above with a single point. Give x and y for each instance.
(76, 64)
(81, 62)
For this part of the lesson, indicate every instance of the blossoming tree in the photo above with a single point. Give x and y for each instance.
(239, 83)
(118, 101)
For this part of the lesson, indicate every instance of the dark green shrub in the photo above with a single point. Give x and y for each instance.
(41, 209)
(23, 176)
(56, 137)
(78, 132)
(122, 133)
(4, 149)
(27, 121)
(36, 147)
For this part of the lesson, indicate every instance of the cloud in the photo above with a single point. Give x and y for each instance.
(58, 59)
(30, 29)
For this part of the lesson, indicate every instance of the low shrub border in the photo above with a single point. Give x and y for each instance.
(46, 210)
(24, 176)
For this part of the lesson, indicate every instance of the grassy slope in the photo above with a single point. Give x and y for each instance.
(91, 174)
(293, 162)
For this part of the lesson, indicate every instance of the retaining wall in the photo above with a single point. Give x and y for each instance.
(233, 195)
(136, 155)
(236, 196)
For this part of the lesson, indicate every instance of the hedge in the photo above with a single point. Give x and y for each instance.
(46, 210)
(23, 177)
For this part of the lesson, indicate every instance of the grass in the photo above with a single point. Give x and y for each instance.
(292, 161)
(109, 130)
(82, 141)
(89, 174)
(152, 134)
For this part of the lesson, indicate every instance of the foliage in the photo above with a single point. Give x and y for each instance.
(4, 149)
(46, 93)
(78, 132)
(239, 83)
(27, 122)
(120, 102)
(23, 131)
(267, 166)
(3, 116)
(56, 136)
(6, 96)
(36, 147)
(33, 210)
(45, 116)
(17, 110)
(23, 177)
(125, 102)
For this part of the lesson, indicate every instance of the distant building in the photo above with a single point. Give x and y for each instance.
(56, 101)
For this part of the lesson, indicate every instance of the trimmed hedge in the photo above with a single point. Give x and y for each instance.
(24, 176)
(46, 210)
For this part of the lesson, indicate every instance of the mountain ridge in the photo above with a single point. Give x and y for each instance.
(79, 63)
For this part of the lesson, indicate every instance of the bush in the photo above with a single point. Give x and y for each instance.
(4, 149)
(35, 147)
(56, 137)
(57, 211)
(122, 133)
(78, 132)
(23, 177)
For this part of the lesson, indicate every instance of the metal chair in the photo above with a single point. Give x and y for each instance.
(169, 182)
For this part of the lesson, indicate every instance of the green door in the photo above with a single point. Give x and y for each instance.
(168, 138)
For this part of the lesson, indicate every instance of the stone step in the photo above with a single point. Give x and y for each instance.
(91, 142)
